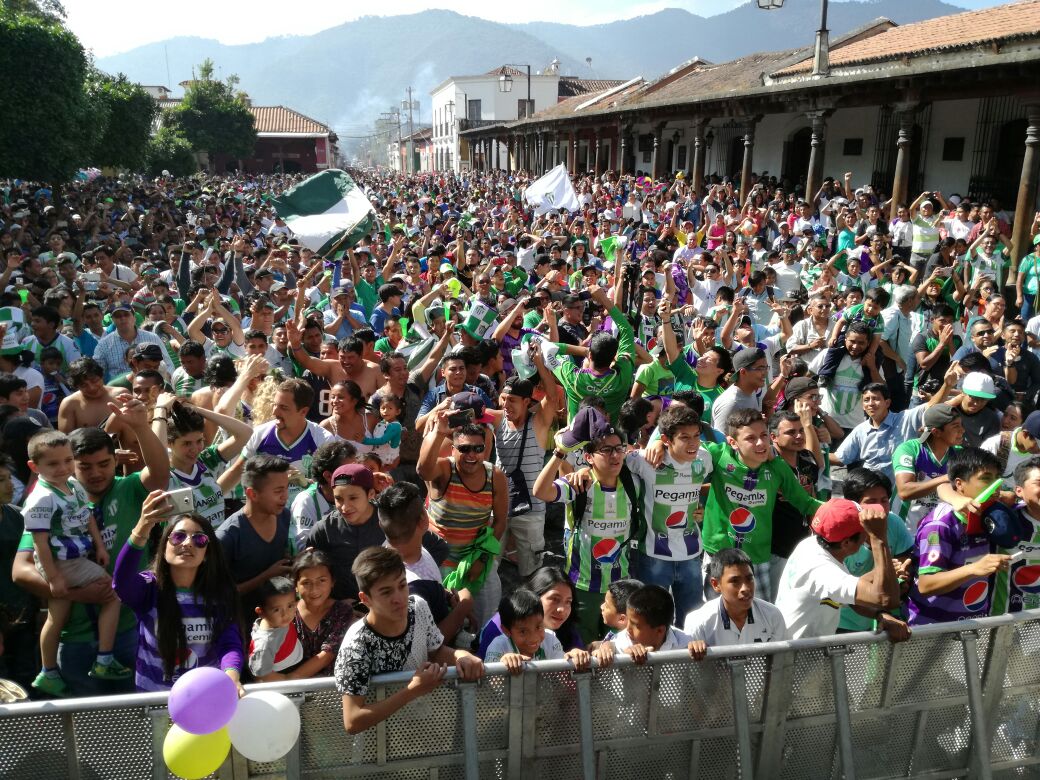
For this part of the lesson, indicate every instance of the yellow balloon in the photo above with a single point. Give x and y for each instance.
(193, 756)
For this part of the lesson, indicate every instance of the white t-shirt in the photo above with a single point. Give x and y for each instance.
(788, 278)
(32, 377)
(710, 622)
(549, 650)
(675, 639)
(813, 588)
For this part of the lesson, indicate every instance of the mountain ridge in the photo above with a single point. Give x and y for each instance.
(346, 75)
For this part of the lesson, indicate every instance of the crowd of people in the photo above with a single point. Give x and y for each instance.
(490, 432)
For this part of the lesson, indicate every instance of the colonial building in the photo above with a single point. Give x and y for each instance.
(421, 142)
(949, 104)
(286, 140)
(503, 94)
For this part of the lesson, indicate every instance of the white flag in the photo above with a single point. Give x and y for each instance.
(552, 191)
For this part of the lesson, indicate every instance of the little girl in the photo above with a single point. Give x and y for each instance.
(386, 436)
(320, 621)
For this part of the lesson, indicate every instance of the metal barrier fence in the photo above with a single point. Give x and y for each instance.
(956, 700)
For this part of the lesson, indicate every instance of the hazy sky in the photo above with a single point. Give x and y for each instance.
(109, 27)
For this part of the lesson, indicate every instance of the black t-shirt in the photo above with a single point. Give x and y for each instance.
(342, 542)
(572, 334)
(789, 525)
(926, 342)
(980, 426)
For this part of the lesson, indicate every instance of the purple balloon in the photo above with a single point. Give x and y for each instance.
(203, 700)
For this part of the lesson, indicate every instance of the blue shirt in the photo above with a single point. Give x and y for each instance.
(378, 321)
(439, 393)
(874, 445)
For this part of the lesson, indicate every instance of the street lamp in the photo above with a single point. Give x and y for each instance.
(505, 84)
(821, 64)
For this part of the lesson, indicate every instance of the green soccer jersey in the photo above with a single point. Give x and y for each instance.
(655, 379)
(613, 385)
(209, 501)
(184, 384)
(685, 378)
(740, 506)
(915, 457)
(671, 498)
(597, 543)
(1018, 587)
(117, 515)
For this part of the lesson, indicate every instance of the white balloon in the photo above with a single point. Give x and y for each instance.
(265, 727)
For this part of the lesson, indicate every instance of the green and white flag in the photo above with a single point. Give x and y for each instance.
(552, 191)
(327, 211)
(479, 320)
(12, 314)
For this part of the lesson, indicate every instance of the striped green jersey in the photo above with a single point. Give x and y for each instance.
(1018, 588)
(597, 544)
(671, 495)
(209, 501)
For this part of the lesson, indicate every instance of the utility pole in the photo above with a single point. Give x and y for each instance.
(394, 116)
(410, 105)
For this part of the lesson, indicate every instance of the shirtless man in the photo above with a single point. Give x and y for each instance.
(351, 365)
(88, 406)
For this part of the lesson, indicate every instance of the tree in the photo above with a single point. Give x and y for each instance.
(169, 150)
(44, 120)
(46, 10)
(213, 117)
(129, 112)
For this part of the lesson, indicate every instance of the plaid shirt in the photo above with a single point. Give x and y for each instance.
(111, 353)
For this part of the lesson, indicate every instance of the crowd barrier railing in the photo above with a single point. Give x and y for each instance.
(958, 699)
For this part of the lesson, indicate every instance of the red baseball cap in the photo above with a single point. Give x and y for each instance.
(837, 520)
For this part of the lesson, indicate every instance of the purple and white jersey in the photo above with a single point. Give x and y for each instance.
(943, 544)
(298, 453)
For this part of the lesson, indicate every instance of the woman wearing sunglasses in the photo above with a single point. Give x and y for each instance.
(186, 603)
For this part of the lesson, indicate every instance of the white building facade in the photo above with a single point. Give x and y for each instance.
(466, 102)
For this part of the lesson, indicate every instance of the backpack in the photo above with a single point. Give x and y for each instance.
(634, 499)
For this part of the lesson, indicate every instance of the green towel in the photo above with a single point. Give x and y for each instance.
(485, 547)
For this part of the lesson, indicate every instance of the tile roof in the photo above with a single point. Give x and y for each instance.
(508, 69)
(946, 33)
(715, 81)
(272, 119)
(575, 85)
(279, 119)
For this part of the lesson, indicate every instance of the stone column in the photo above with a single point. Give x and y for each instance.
(700, 153)
(653, 156)
(749, 152)
(556, 150)
(597, 142)
(1021, 239)
(541, 153)
(572, 153)
(815, 174)
(901, 181)
(510, 147)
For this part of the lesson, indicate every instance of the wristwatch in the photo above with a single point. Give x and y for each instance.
(559, 454)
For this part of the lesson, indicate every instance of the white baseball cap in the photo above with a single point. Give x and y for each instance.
(978, 385)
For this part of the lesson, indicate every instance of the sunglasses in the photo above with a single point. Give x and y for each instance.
(470, 449)
(220, 330)
(198, 539)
